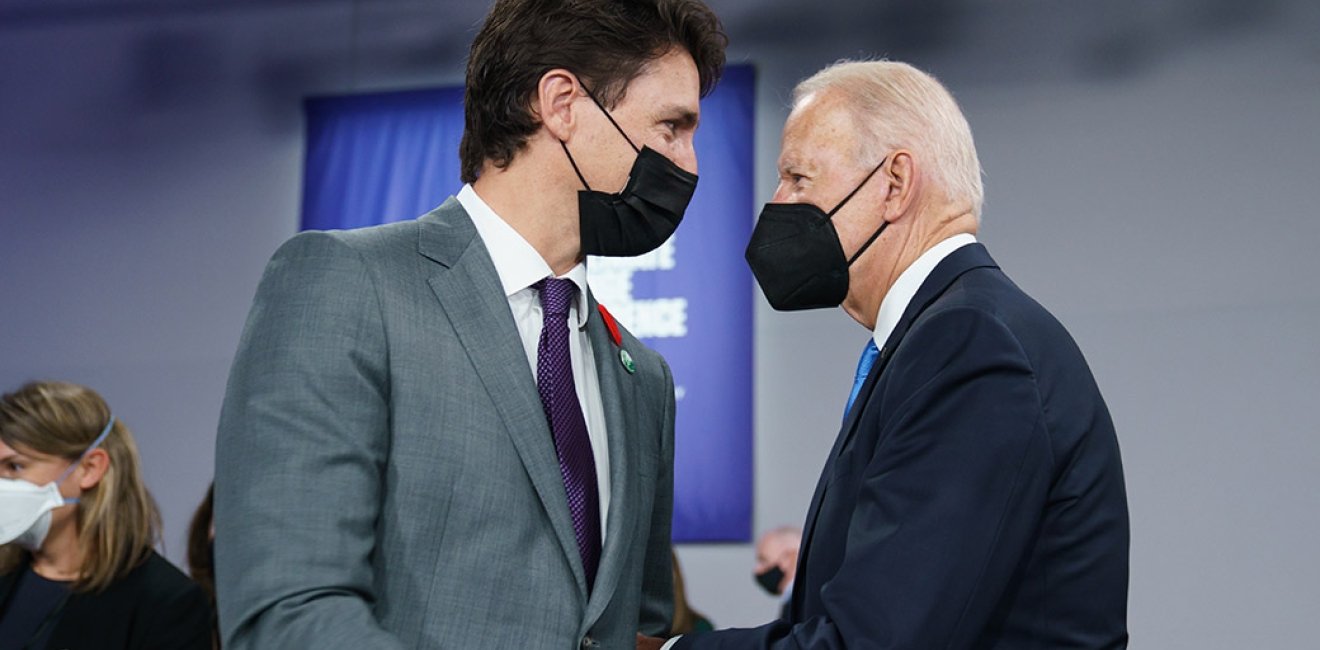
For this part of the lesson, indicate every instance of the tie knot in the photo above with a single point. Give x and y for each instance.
(556, 295)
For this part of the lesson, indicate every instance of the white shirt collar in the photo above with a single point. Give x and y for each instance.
(518, 264)
(911, 279)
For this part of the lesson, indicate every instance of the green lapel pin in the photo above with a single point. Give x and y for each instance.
(627, 361)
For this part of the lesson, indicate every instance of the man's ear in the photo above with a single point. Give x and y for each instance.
(901, 177)
(94, 466)
(556, 94)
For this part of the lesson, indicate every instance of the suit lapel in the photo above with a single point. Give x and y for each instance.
(952, 267)
(845, 433)
(471, 297)
(617, 392)
(941, 277)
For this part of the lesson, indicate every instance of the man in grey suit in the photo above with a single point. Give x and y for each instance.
(432, 436)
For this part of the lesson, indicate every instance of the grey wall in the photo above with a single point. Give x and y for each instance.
(1151, 178)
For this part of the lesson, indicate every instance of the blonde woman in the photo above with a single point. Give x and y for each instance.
(77, 529)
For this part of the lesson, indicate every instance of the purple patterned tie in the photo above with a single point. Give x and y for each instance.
(554, 380)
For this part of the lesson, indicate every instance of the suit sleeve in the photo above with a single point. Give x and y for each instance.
(657, 615)
(300, 457)
(948, 506)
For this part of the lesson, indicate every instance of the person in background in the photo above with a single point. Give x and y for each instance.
(776, 562)
(686, 619)
(77, 531)
(201, 555)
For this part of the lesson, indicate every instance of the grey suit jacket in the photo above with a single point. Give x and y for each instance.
(386, 478)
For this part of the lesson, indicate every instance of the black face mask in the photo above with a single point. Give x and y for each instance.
(641, 217)
(770, 579)
(796, 256)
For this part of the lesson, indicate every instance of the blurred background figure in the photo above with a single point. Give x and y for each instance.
(201, 556)
(776, 561)
(686, 619)
(78, 527)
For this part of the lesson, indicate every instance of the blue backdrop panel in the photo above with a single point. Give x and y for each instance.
(383, 157)
(373, 159)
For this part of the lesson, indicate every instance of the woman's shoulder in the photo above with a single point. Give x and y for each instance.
(154, 602)
(156, 578)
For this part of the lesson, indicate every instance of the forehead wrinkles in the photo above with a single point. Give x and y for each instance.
(820, 128)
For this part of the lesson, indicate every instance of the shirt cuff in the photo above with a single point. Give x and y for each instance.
(670, 643)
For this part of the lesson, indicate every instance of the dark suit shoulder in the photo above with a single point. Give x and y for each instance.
(159, 579)
(991, 291)
(152, 606)
(153, 583)
(154, 579)
(956, 335)
(174, 611)
(1076, 417)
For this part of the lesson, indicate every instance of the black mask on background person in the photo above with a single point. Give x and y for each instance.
(770, 579)
(796, 255)
(641, 217)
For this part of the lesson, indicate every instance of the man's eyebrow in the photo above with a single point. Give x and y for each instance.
(685, 116)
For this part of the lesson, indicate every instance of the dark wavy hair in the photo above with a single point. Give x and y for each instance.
(606, 43)
(201, 555)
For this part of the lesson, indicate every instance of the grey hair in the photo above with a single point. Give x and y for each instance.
(898, 106)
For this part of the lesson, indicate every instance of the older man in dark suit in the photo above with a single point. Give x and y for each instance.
(974, 497)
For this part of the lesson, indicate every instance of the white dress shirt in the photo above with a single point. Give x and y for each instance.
(519, 267)
(895, 303)
(911, 279)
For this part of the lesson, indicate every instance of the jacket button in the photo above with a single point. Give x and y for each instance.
(588, 642)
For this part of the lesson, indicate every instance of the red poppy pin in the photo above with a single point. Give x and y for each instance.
(613, 327)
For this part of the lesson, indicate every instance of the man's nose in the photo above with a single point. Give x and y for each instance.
(685, 156)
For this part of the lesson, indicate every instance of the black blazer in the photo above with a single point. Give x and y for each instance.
(974, 497)
(155, 606)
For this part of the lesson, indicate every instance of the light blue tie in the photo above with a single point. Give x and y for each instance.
(869, 354)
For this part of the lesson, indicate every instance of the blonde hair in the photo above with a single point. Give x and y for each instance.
(118, 521)
(898, 106)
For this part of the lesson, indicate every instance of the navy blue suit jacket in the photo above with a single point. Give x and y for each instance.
(974, 497)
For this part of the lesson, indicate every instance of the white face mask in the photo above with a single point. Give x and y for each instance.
(25, 507)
